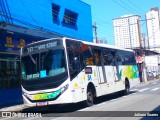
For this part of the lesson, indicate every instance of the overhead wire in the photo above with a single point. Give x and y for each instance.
(34, 26)
(131, 8)
(29, 13)
(104, 22)
(116, 2)
(56, 13)
(127, 7)
(83, 22)
(136, 6)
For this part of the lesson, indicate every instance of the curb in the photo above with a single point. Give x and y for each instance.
(150, 81)
(16, 108)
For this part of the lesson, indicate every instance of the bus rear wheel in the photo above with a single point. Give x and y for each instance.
(127, 88)
(90, 98)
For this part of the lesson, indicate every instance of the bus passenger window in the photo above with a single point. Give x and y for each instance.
(87, 55)
(108, 58)
(97, 54)
(96, 58)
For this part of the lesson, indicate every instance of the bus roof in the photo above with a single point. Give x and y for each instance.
(85, 42)
(101, 45)
(107, 46)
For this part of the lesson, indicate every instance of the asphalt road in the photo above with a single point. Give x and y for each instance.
(143, 99)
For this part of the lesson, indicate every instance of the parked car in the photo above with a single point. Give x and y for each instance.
(150, 74)
(154, 73)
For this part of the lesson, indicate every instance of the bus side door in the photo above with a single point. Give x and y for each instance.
(100, 66)
(110, 69)
(100, 71)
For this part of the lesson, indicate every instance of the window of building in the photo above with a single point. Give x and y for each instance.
(10, 73)
(55, 13)
(70, 19)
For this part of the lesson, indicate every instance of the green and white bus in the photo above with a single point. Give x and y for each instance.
(64, 70)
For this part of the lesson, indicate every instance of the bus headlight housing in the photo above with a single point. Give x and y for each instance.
(48, 95)
(64, 88)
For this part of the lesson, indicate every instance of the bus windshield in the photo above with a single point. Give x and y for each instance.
(43, 64)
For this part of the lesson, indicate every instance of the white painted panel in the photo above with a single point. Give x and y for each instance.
(119, 85)
(110, 74)
(101, 75)
(104, 88)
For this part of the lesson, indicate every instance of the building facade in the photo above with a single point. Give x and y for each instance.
(27, 21)
(153, 28)
(127, 31)
(71, 19)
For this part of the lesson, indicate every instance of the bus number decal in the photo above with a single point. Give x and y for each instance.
(89, 78)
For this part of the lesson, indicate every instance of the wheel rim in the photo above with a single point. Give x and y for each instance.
(89, 97)
(127, 88)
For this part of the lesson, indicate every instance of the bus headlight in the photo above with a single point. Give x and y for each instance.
(25, 94)
(64, 88)
(47, 95)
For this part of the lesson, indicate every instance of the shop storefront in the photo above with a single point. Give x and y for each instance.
(10, 44)
(9, 72)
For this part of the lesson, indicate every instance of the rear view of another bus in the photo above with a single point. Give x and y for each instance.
(44, 73)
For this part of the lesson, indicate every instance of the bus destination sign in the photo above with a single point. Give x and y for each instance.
(40, 46)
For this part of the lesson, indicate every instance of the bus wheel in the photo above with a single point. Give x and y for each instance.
(90, 98)
(127, 88)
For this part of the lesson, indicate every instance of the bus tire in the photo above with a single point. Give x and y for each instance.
(127, 88)
(90, 98)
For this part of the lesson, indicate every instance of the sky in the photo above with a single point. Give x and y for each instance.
(104, 11)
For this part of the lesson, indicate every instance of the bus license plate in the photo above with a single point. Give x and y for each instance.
(41, 103)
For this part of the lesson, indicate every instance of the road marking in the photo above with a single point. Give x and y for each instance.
(125, 96)
(143, 89)
(101, 104)
(154, 83)
(134, 90)
(154, 89)
(134, 93)
(114, 99)
(84, 109)
(31, 118)
(7, 118)
(13, 108)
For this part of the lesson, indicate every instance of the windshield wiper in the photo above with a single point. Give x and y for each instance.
(49, 50)
(33, 60)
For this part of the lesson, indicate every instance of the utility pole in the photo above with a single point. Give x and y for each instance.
(144, 66)
(95, 31)
(158, 66)
(143, 55)
(143, 44)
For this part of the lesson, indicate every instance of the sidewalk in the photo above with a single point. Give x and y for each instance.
(16, 108)
(149, 81)
(23, 106)
(10, 97)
